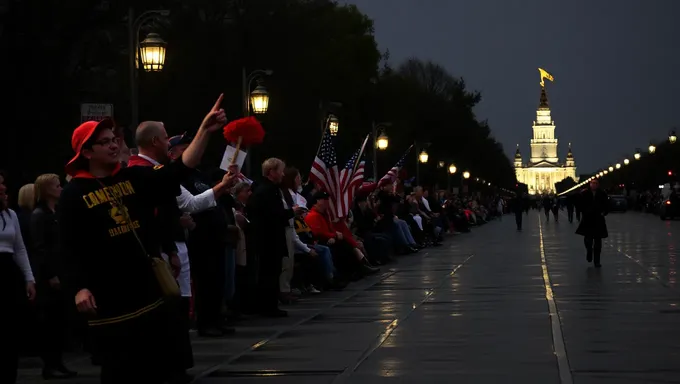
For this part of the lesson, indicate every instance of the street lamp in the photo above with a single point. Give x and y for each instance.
(151, 52)
(618, 165)
(611, 169)
(605, 172)
(379, 142)
(626, 161)
(672, 138)
(452, 169)
(652, 148)
(637, 154)
(333, 125)
(382, 142)
(466, 175)
(441, 164)
(259, 98)
(423, 156)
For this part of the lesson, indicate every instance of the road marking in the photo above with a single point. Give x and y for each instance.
(385, 334)
(277, 334)
(558, 339)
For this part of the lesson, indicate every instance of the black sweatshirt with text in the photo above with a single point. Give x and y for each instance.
(99, 249)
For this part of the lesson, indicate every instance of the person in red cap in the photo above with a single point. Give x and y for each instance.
(108, 232)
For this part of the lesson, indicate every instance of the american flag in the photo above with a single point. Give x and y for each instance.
(351, 179)
(325, 174)
(392, 174)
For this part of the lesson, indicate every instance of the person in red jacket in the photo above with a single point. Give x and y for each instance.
(348, 258)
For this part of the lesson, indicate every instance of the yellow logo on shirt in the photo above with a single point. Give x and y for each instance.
(108, 194)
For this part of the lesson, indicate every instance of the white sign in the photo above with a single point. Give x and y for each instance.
(96, 112)
(229, 154)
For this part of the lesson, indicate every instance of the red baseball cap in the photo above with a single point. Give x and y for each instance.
(80, 136)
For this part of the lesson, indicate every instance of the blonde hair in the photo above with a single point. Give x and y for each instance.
(41, 183)
(26, 198)
(271, 164)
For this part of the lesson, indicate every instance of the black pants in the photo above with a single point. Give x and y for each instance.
(518, 219)
(593, 248)
(13, 302)
(578, 214)
(570, 214)
(52, 312)
(268, 282)
(187, 351)
(377, 246)
(208, 270)
(146, 349)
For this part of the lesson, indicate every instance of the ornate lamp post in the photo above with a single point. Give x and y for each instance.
(652, 148)
(618, 165)
(379, 143)
(423, 157)
(452, 170)
(637, 154)
(150, 52)
(672, 138)
(258, 99)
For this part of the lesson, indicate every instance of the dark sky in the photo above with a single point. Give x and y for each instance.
(615, 65)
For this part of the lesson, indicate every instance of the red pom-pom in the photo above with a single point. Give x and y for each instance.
(248, 129)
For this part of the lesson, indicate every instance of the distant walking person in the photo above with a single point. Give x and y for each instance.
(570, 208)
(547, 204)
(517, 206)
(555, 208)
(593, 226)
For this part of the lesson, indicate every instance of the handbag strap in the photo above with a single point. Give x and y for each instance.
(118, 203)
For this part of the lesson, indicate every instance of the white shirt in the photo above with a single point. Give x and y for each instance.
(426, 203)
(297, 243)
(186, 201)
(12, 242)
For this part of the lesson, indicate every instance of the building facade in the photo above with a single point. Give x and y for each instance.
(544, 168)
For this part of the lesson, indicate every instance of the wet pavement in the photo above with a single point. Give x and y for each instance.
(492, 306)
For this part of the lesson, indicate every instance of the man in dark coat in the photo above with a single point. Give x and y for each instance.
(517, 206)
(269, 219)
(594, 207)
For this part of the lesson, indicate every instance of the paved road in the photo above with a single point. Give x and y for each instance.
(493, 306)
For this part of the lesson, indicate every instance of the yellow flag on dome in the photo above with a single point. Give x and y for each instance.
(545, 75)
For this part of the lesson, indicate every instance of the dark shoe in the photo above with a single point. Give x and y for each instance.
(60, 373)
(211, 332)
(274, 313)
(589, 256)
(598, 265)
(287, 298)
(368, 269)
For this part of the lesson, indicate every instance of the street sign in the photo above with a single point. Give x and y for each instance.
(95, 111)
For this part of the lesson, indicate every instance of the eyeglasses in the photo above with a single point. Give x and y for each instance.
(108, 141)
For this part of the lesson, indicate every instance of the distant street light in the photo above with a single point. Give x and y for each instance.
(452, 169)
(611, 169)
(333, 125)
(466, 175)
(441, 164)
(618, 165)
(652, 148)
(382, 142)
(672, 138)
(423, 157)
(637, 154)
(626, 161)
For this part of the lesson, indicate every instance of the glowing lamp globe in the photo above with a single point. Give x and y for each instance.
(452, 169)
(382, 142)
(259, 99)
(152, 52)
(423, 157)
(333, 125)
